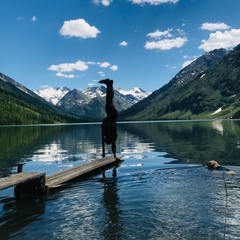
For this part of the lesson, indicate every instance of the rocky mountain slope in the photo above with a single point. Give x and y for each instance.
(207, 88)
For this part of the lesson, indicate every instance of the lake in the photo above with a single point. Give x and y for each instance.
(162, 189)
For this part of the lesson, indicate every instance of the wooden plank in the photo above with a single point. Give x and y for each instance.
(75, 172)
(19, 178)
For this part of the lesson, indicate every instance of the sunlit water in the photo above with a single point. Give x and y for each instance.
(161, 191)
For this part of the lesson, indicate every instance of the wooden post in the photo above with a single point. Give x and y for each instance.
(103, 144)
(20, 167)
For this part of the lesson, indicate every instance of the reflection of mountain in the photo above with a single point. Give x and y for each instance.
(25, 141)
(187, 141)
(191, 142)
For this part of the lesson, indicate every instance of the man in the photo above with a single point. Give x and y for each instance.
(109, 128)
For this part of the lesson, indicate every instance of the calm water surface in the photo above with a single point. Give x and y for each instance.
(162, 190)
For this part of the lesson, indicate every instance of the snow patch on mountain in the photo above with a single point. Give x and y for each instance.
(136, 92)
(93, 92)
(51, 94)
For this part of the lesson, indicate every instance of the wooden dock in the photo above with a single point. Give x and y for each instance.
(81, 172)
(39, 183)
(24, 182)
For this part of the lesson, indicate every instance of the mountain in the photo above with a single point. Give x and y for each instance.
(20, 105)
(207, 88)
(90, 103)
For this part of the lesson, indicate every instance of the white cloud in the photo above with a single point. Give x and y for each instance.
(123, 44)
(103, 2)
(59, 74)
(159, 34)
(69, 67)
(170, 38)
(63, 68)
(153, 2)
(105, 64)
(114, 67)
(166, 44)
(34, 19)
(78, 28)
(101, 74)
(225, 39)
(214, 26)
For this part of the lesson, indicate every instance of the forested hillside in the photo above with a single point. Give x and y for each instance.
(18, 106)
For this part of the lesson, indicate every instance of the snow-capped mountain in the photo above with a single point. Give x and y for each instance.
(51, 94)
(90, 103)
(136, 92)
(54, 95)
(93, 92)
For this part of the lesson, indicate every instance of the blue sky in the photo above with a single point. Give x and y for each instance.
(137, 43)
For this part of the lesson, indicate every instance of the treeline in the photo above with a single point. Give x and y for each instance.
(16, 111)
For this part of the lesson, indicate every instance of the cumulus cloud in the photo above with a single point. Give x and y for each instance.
(214, 26)
(153, 2)
(123, 44)
(103, 2)
(114, 67)
(69, 67)
(64, 68)
(166, 44)
(166, 40)
(105, 64)
(78, 28)
(225, 39)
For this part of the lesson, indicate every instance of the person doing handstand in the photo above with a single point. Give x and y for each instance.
(109, 128)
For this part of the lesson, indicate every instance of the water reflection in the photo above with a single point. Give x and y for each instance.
(186, 141)
(113, 228)
(18, 214)
(148, 199)
(191, 141)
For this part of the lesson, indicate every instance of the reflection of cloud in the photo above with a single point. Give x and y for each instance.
(135, 146)
(54, 152)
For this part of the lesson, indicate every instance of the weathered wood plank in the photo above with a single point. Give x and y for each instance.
(75, 172)
(19, 178)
